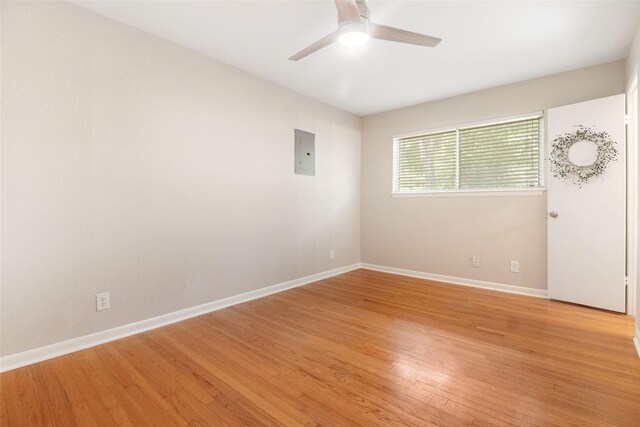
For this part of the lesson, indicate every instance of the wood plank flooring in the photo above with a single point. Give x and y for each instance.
(362, 348)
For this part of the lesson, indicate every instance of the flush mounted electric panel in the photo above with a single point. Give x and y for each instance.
(304, 153)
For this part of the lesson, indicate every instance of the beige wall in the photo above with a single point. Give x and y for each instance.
(440, 235)
(633, 65)
(633, 57)
(136, 167)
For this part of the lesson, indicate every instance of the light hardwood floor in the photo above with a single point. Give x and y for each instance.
(363, 348)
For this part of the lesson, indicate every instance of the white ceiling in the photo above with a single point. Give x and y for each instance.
(485, 44)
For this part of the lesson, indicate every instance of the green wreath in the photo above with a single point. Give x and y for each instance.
(563, 168)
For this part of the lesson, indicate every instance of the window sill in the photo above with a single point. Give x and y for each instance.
(475, 193)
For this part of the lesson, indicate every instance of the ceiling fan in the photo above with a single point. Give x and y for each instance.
(354, 29)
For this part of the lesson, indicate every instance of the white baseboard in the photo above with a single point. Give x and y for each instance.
(35, 355)
(540, 293)
(636, 341)
(631, 295)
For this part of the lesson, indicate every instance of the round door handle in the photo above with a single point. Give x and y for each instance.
(553, 214)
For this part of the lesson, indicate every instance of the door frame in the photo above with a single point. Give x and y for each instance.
(633, 193)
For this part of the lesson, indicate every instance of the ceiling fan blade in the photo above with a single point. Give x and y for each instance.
(347, 11)
(383, 32)
(325, 41)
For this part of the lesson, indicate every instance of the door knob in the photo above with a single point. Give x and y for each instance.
(553, 214)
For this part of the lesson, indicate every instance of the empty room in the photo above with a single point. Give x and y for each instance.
(319, 212)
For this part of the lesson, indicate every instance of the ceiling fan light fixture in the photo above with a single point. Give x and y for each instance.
(355, 28)
(353, 35)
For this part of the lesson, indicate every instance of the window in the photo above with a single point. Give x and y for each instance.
(499, 156)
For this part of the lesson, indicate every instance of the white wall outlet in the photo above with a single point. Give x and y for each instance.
(102, 301)
(515, 266)
(332, 254)
(475, 261)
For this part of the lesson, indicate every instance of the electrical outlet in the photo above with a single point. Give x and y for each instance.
(102, 301)
(515, 266)
(332, 254)
(475, 261)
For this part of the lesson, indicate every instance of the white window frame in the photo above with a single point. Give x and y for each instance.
(538, 191)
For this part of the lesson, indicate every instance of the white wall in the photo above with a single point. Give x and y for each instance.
(439, 235)
(633, 65)
(136, 167)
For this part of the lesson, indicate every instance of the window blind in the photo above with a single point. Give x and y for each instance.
(427, 162)
(497, 156)
(501, 156)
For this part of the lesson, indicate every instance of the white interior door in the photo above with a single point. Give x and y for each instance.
(586, 239)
